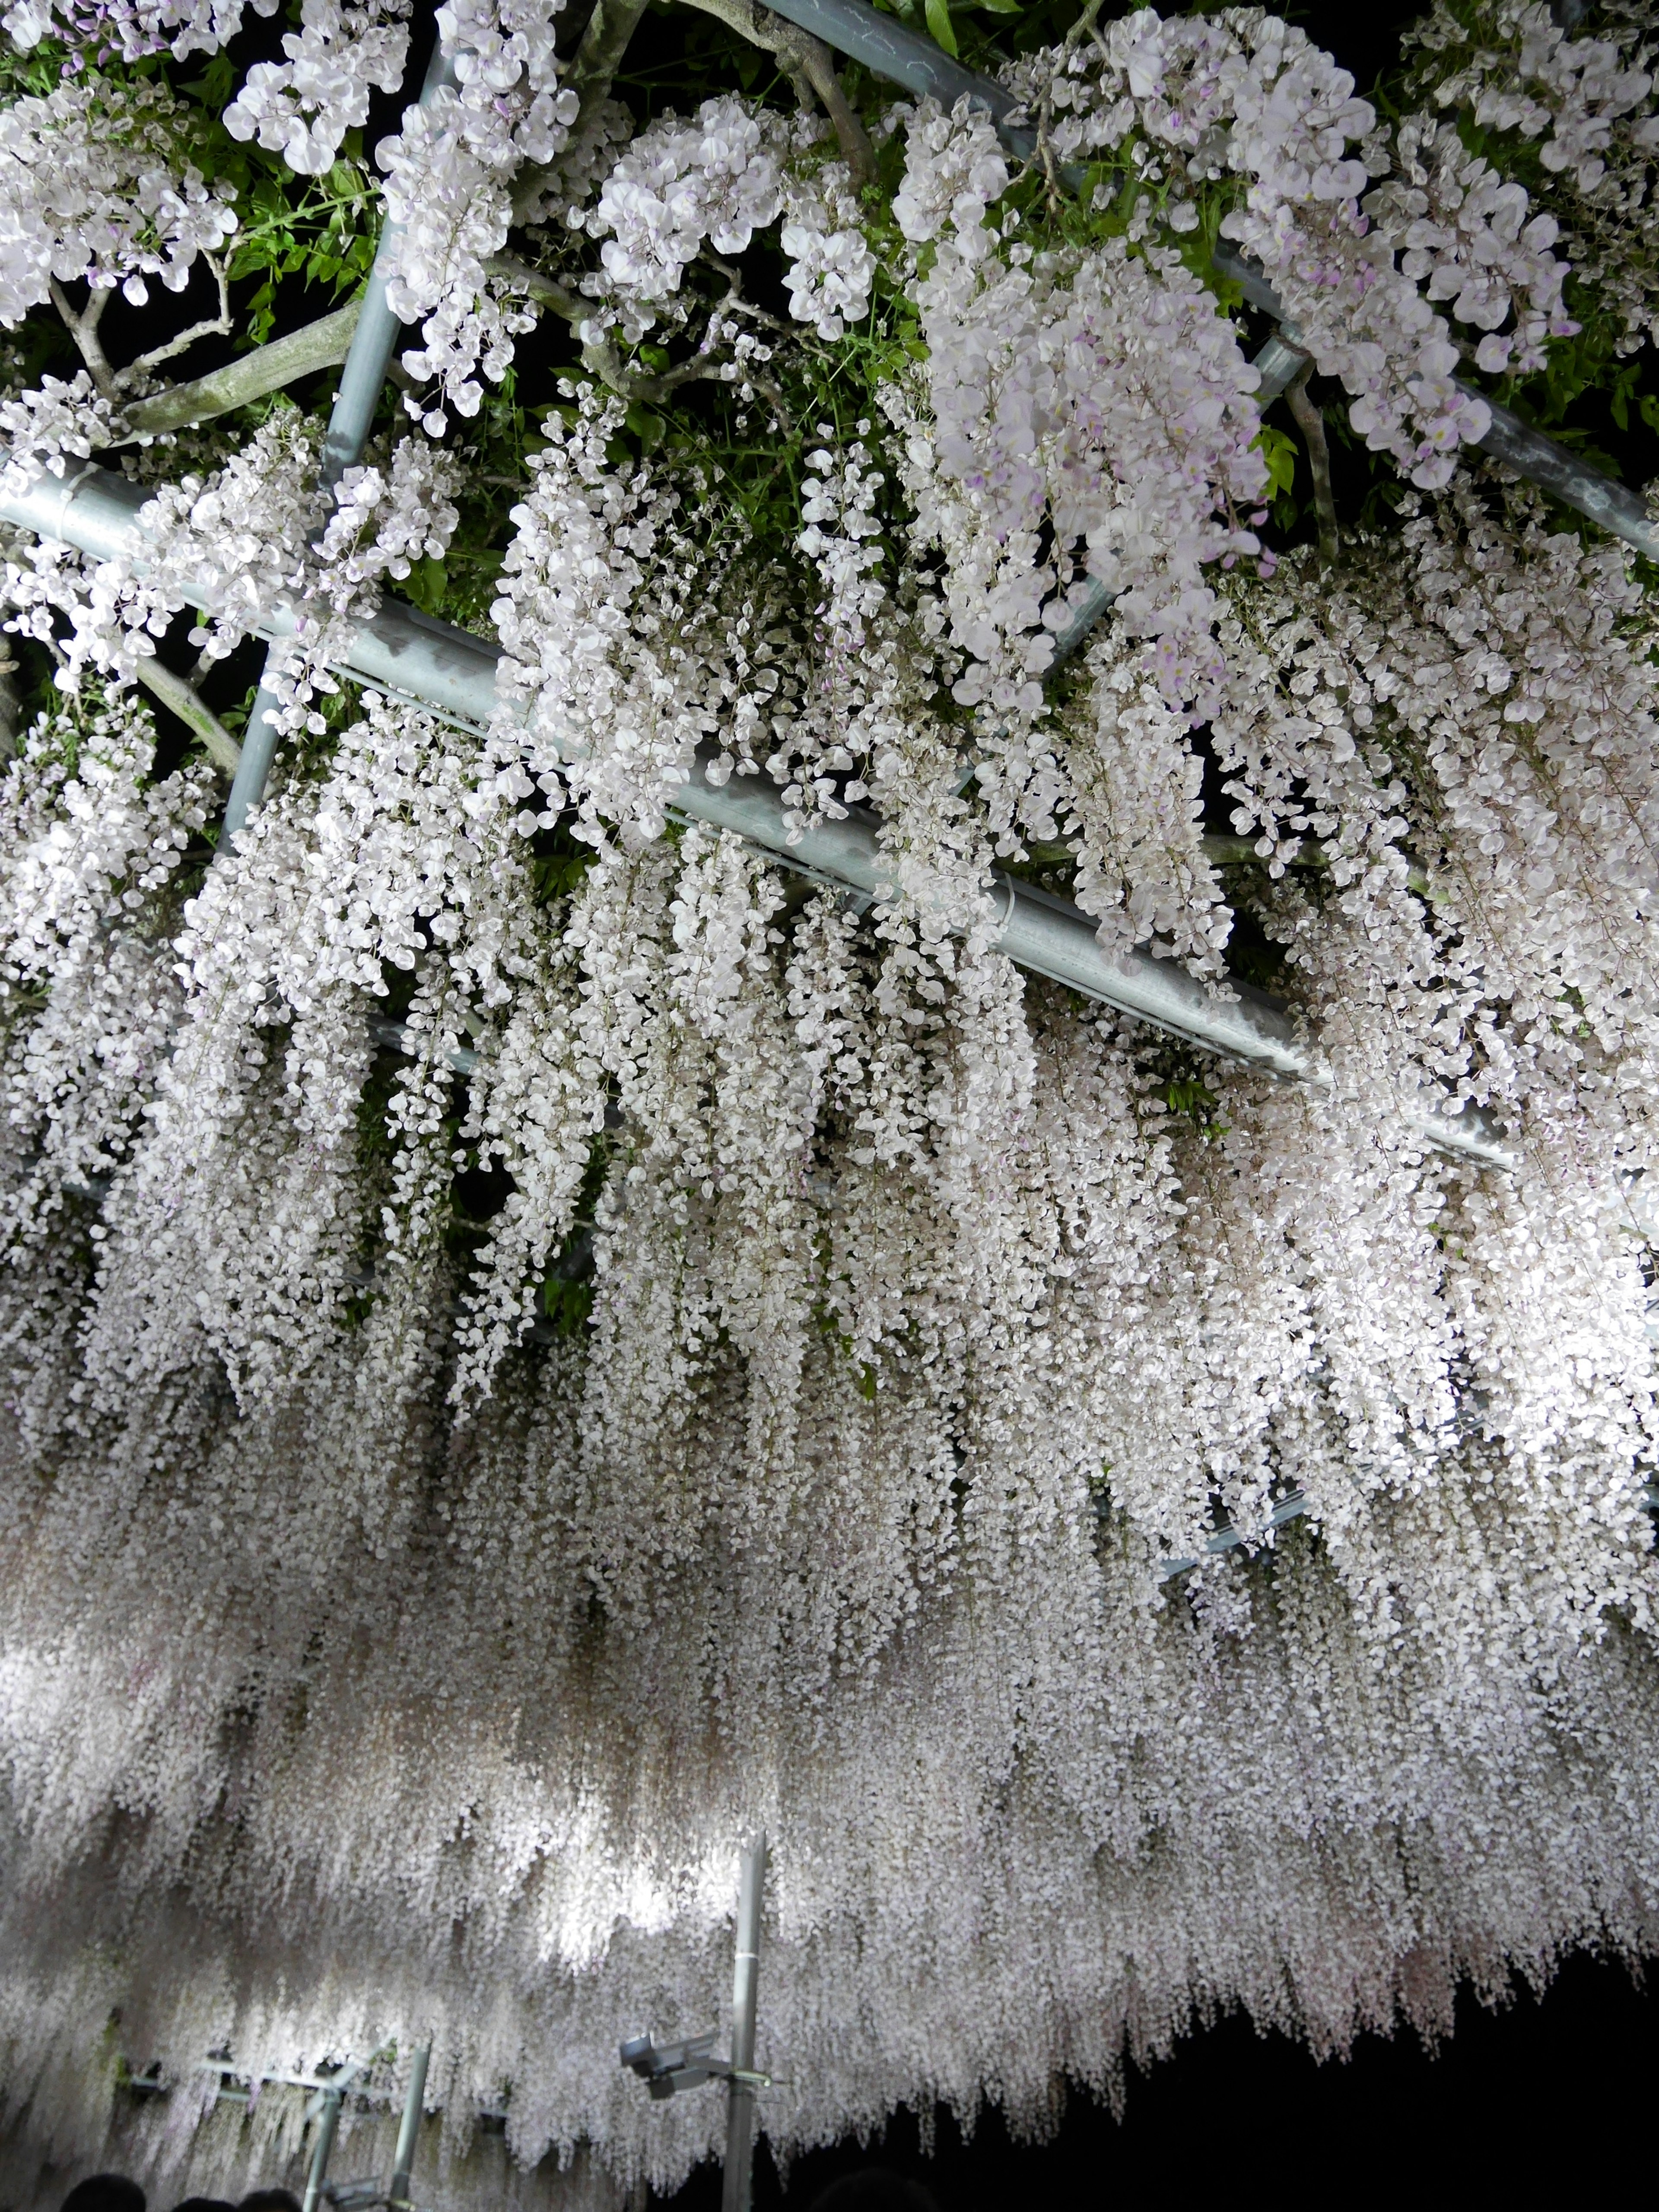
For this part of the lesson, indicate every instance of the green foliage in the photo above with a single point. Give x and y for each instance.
(1278, 450)
(321, 230)
(1187, 1095)
(939, 25)
(567, 1306)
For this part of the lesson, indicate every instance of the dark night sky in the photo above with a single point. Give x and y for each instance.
(1555, 2095)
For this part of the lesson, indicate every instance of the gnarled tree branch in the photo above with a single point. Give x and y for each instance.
(1311, 424)
(321, 344)
(83, 329)
(188, 704)
(547, 291)
(218, 325)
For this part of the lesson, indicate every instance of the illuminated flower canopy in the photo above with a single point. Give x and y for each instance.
(542, 1334)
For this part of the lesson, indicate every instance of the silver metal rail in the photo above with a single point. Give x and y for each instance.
(453, 674)
(409, 2132)
(328, 2121)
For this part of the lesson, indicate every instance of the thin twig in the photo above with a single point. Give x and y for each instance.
(734, 302)
(1083, 24)
(219, 326)
(1311, 424)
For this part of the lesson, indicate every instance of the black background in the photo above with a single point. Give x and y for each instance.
(1551, 2098)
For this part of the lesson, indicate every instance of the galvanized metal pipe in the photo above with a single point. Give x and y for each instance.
(327, 2121)
(902, 56)
(453, 673)
(737, 2180)
(367, 359)
(409, 2132)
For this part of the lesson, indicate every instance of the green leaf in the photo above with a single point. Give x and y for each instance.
(939, 23)
(425, 584)
(566, 1305)
(1278, 449)
(215, 84)
(647, 425)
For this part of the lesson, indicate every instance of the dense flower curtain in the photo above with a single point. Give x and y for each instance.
(539, 1338)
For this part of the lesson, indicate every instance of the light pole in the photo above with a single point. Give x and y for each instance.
(746, 1970)
(666, 2069)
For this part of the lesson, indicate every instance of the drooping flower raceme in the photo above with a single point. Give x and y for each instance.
(1467, 237)
(1244, 95)
(715, 179)
(132, 28)
(447, 173)
(302, 108)
(1584, 99)
(47, 429)
(90, 187)
(1085, 414)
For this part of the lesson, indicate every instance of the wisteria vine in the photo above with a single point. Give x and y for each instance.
(537, 1337)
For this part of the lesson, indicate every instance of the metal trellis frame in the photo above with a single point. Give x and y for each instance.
(406, 654)
(669, 2069)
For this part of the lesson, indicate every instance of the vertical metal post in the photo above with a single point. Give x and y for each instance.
(414, 2098)
(327, 2123)
(740, 2112)
(348, 425)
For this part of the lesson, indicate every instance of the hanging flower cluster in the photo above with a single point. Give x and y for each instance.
(447, 176)
(94, 189)
(257, 536)
(1105, 397)
(1467, 236)
(537, 1335)
(303, 107)
(1575, 112)
(716, 181)
(1244, 95)
(131, 29)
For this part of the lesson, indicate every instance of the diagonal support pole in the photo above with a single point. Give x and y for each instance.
(327, 2121)
(366, 362)
(397, 2197)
